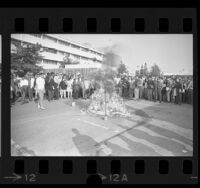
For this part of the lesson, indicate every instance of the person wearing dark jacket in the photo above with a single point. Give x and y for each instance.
(178, 91)
(50, 88)
(47, 85)
(56, 91)
(150, 87)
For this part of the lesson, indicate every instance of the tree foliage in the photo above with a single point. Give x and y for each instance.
(26, 57)
(155, 70)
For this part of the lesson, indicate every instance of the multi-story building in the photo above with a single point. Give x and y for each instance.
(55, 49)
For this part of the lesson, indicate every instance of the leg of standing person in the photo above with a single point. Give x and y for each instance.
(30, 93)
(23, 94)
(154, 95)
(57, 94)
(150, 94)
(180, 97)
(41, 96)
(140, 92)
(183, 97)
(49, 95)
(71, 95)
(64, 93)
(61, 93)
(146, 93)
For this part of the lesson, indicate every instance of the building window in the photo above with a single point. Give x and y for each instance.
(61, 53)
(63, 43)
(50, 50)
(84, 49)
(49, 38)
(75, 46)
(51, 62)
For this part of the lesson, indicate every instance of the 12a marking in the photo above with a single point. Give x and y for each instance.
(118, 178)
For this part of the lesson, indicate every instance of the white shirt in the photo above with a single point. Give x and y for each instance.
(23, 82)
(40, 83)
(32, 82)
(56, 79)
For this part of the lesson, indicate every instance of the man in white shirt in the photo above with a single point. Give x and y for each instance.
(24, 87)
(40, 84)
(31, 87)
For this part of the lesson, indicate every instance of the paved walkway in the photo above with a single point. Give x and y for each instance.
(154, 129)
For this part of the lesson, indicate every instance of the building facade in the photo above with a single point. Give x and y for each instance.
(55, 50)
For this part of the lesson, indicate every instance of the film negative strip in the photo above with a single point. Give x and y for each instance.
(99, 96)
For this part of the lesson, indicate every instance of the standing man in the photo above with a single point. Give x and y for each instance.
(47, 85)
(76, 88)
(160, 86)
(145, 89)
(155, 90)
(24, 87)
(150, 88)
(51, 87)
(140, 85)
(40, 83)
(136, 91)
(178, 91)
(56, 87)
(31, 87)
(63, 88)
(131, 88)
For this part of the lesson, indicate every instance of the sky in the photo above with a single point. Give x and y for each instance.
(173, 53)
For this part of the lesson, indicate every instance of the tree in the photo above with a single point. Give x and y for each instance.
(26, 57)
(122, 68)
(155, 70)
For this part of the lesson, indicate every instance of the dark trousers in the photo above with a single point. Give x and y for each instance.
(76, 92)
(56, 93)
(160, 94)
(164, 96)
(177, 98)
(50, 95)
(141, 92)
(30, 93)
(24, 93)
(155, 94)
(145, 93)
(150, 94)
(186, 96)
(46, 94)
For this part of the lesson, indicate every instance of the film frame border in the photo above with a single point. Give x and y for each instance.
(114, 21)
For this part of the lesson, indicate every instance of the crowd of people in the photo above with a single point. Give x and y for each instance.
(174, 89)
(51, 86)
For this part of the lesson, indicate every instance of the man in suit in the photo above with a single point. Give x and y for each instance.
(47, 85)
(178, 91)
(51, 87)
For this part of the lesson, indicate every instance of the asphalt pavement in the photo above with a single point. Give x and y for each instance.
(154, 129)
